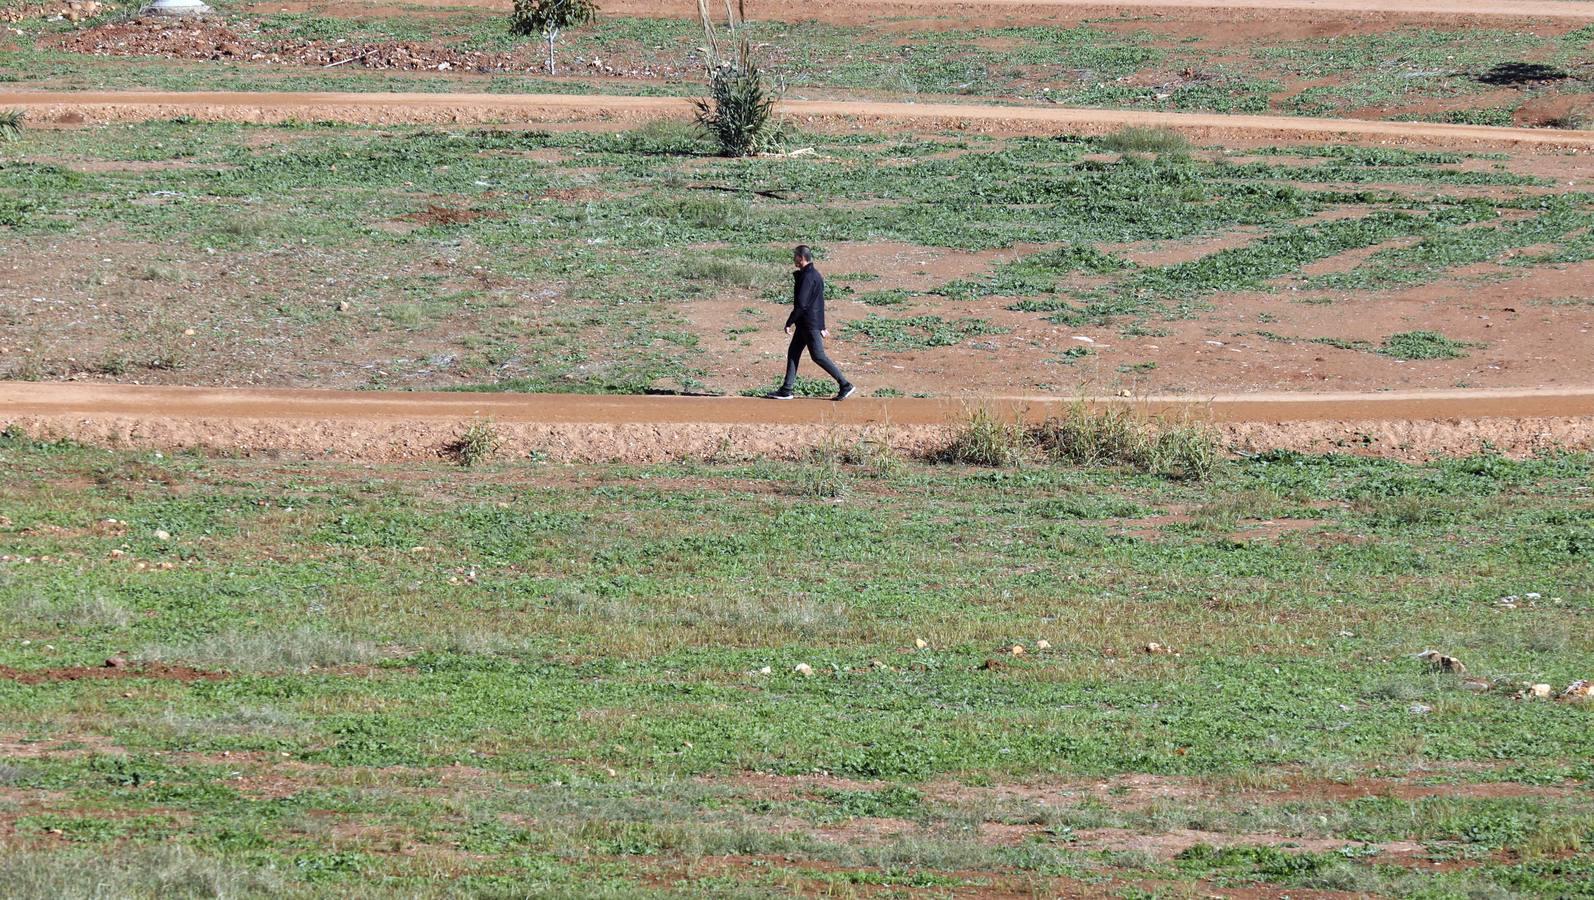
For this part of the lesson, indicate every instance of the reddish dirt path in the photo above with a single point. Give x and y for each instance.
(55, 398)
(78, 107)
(983, 11)
(567, 428)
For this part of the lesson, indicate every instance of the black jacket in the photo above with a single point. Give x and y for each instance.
(807, 299)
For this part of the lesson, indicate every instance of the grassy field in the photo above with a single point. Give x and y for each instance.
(1478, 75)
(579, 261)
(563, 680)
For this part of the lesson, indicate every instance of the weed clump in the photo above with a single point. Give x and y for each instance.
(1112, 435)
(11, 121)
(1139, 139)
(1423, 345)
(987, 440)
(1119, 435)
(480, 442)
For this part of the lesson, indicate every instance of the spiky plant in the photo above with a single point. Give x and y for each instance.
(740, 109)
(11, 124)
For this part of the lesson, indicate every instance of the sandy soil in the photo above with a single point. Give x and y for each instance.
(388, 109)
(395, 426)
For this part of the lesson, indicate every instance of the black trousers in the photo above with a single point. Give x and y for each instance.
(805, 338)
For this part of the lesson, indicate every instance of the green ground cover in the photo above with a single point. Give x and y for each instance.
(516, 252)
(431, 674)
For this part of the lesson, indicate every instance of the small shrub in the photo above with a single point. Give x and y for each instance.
(1423, 345)
(1138, 139)
(740, 110)
(11, 124)
(480, 442)
(548, 18)
(987, 440)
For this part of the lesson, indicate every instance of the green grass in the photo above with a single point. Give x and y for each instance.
(1423, 345)
(1137, 139)
(537, 672)
(917, 332)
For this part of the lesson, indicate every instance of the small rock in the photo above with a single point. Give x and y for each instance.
(804, 669)
(1043, 645)
(343, 306)
(765, 670)
(921, 643)
(1475, 686)
(1539, 691)
(162, 535)
(1016, 650)
(1581, 689)
(1419, 709)
(1443, 663)
(188, 332)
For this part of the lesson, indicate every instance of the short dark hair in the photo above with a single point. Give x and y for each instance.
(802, 252)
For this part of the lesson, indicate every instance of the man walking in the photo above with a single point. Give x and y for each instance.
(806, 325)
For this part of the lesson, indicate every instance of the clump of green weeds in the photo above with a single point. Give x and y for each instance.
(986, 439)
(1112, 435)
(1139, 139)
(11, 124)
(1423, 345)
(480, 442)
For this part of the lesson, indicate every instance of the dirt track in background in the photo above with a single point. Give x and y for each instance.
(394, 426)
(1042, 12)
(97, 107)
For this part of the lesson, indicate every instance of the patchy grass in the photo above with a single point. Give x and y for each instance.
(1423, 345)
(917, 332)
(439, 674)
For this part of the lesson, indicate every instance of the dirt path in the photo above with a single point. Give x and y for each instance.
(391, 109)
(1035, 11)
(374, 425)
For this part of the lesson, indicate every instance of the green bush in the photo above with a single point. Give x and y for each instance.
(548, 18)
(11, 124)
(740, 111)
